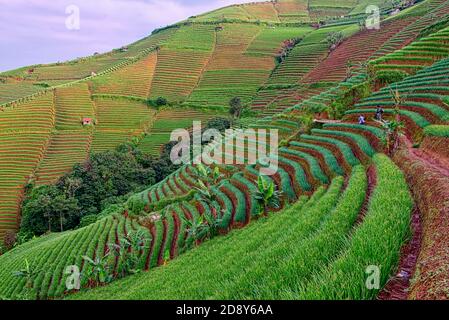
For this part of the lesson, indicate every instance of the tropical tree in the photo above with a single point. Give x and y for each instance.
(349, 70)
(205, 193)
(128, 252)
(393, 130)
(97, 271)
(235, 108)
(29, 273)
(267, 196)
(161, 101)
(202, 227)
(208, 176)
(398, 100)
(334, 39)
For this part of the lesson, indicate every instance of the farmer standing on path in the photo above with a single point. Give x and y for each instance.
(379, 113)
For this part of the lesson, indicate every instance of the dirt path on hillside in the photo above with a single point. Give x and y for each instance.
(428, 178)
(430, 159)
(398, 286)
(372, 183)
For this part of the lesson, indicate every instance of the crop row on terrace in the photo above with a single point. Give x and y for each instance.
(133, 80)
(415, 21)
(306, 241)
(417, 55)
(21, 149)
(285, 11)
(356, 49)
(346, 144)
(232, 205)
(230, 12)
(83, 67)
(20, 154)
(270, 39)
(65, 149)
(228, 201)
(66, 249)
(181, 62)
(72, 104)
(231, 72)
(292, 10)
(14, 90)
(167, 121)
(428, 182)
(117, 120)
(435, 140)
(177, 73)
(282, 89)
(298, 171)
(418, 109)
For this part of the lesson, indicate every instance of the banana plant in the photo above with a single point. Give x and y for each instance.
(205, 193)
(29, 273)
(393, 130)
(398, 100)
(203, 227)
(97, 271)
(128, 251)
(267, 196)
(211, 177)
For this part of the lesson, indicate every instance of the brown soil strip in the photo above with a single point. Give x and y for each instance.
(177, 225)
(438, 146)
(160, 260)
(153, 237)
(372, 183)
(398, 286)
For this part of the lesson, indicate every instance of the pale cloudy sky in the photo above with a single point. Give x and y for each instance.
(34, 31)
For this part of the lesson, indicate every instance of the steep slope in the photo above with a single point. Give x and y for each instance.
(215, 62)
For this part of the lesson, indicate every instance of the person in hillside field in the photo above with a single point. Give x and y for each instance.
(379, 113)
(362, 120)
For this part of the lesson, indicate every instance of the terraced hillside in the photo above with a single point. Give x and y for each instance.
(348, 194)
(306, 163)
(24, 132)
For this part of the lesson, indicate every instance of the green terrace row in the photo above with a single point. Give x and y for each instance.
(417, 55)
(310, 242)
(53, 254)
(309, 161)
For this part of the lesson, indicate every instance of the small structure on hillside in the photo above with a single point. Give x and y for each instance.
(124, 49)
(93, 74)
(88, 121)
(219, 28)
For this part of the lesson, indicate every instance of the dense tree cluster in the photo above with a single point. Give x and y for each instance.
(104, 179)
